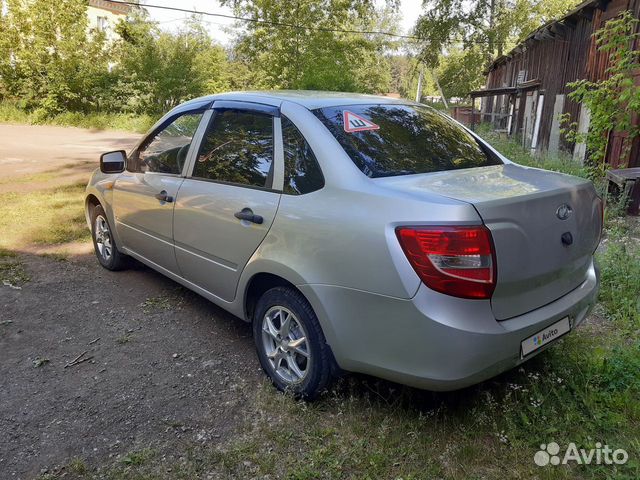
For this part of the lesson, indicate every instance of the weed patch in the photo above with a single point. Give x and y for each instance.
(562, 162)
(12, 271)
(163, 302)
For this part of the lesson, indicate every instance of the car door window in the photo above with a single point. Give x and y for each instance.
(237, 148)
(302, 173)
(166, 150)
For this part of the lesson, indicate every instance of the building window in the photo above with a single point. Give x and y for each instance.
(101, 24)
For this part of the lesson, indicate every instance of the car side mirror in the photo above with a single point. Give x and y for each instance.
(113, 162)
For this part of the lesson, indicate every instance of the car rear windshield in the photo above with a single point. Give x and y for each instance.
(389, 140)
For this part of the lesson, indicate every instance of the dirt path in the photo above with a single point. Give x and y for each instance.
(168, 368)
(38, 156)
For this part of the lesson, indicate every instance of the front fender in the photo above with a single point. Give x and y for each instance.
(100, 189)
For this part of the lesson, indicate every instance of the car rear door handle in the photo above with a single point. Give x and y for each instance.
(248, 215)
(163, 197)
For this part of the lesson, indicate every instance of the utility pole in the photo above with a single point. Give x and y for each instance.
(444, 100)
(492, 13)
(419, 89)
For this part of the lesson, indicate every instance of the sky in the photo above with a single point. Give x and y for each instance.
(221, 29)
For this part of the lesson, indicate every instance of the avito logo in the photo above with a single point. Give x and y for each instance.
(550, 454)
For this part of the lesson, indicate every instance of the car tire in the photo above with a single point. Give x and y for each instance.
(104, 244)
(291, 346)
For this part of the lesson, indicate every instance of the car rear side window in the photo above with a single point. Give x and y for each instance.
(389, 140)
(302, 173)
(237, 148)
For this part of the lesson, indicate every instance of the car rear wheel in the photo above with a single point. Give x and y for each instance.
(290, 343)
(103, 242)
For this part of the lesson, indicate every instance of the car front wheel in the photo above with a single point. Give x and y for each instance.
(290, 343)
(103, 242)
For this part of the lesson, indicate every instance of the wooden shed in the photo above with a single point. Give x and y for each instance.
(527, 89)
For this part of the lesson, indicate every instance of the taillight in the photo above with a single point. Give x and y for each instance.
(458, 261)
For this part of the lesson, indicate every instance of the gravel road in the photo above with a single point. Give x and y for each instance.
(167, 367)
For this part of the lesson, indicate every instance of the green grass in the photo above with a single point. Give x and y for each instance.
(620, 289)
(24, 179)
(43, 217)
(138, 457)
(10, 113)
(511, 149)
(78, 466)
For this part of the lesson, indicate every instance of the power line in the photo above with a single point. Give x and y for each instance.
(267, 22)
(283, 24)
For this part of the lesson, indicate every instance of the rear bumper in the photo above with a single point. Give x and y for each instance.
(434, 341)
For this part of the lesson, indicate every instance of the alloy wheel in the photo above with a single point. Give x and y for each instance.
(286, 345)
(103, 238)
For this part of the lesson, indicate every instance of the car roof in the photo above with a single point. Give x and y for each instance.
(310, 99)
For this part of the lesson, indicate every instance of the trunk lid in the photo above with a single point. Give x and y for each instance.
(528, 211)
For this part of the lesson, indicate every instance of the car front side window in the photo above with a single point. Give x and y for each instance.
(237, 148)
(166, 150)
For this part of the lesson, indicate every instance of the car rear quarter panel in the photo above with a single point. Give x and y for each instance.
(347, 238)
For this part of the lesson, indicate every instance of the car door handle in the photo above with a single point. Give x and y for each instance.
(163, 197)
(248, 215)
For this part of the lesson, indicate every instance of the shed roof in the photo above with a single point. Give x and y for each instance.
(488, 92)
(550, 29)
(113, 7)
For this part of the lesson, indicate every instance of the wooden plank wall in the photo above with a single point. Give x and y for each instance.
(567, 54)
(634, 155)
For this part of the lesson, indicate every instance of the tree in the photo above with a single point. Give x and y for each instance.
(493, 26)
(157, 70)
(466, 35)
(301, 49)
(47, 58)
(405, 71)
(461, 71)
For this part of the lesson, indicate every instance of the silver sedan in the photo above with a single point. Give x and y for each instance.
(356, 233)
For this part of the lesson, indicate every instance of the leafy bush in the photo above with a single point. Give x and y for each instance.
(118, 121)
(51, 65)
(11, 113)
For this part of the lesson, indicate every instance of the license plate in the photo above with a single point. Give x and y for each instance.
(543, 337)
